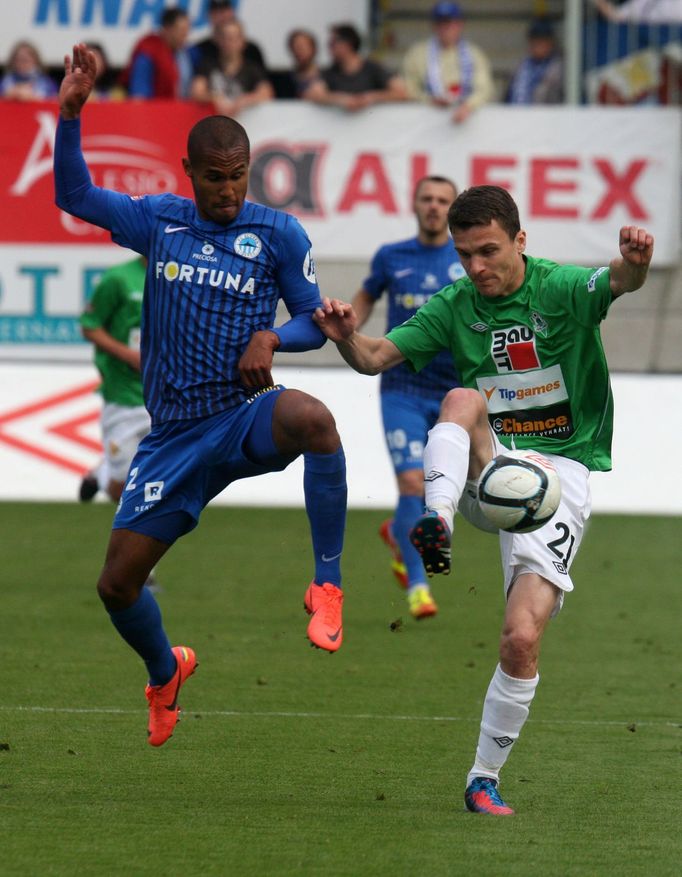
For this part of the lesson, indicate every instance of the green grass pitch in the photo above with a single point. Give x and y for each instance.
(290, 761)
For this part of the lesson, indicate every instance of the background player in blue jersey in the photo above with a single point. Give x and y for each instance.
(217, 266)
(410, 272)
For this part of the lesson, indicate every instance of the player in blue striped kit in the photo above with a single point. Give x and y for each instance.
(217, 266)
(410, 272)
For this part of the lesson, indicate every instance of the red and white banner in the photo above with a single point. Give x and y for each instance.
(577, 174)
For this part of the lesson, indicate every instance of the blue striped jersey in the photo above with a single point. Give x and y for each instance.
(209, 288)
(410, 273)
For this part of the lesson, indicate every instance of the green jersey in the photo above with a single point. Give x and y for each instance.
(535, 356)
(116, 307)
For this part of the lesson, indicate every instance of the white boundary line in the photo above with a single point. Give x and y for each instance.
(311, 715)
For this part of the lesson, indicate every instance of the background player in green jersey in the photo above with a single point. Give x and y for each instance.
(111, 321)
(524, 335)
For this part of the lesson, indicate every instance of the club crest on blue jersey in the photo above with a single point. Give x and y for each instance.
(456, 271)
(248, 245)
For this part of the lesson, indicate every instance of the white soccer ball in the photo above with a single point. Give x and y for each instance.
(519, 491)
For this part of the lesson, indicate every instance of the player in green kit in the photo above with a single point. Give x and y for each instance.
(524, 336)
(111, 321)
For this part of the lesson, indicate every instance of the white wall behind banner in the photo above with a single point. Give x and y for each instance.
(55, 25)
(49, 432)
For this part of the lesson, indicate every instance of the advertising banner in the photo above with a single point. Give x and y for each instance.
(576, 174)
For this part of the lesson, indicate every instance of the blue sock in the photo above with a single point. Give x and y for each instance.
(324, 485)
(140, 626)
(409, 509)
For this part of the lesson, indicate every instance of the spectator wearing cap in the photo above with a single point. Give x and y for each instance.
(448, 70)
(160, 66)
(539, 78)
(353, 82)
(205, 53)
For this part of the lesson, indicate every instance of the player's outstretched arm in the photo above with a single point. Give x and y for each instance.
(629, 270)
(79, 79)
(366, 355)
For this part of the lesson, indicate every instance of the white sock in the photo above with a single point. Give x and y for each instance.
(446, 456)
(505, 710)
(102, 474)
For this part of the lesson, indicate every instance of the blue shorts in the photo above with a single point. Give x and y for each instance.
(181, 465)
(407, 420)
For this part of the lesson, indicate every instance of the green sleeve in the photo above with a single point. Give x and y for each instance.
(426, 333)
(584, 292)
(102, 305)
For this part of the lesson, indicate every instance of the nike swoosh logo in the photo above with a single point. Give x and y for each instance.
(333, 637)
(403, 272)
(326, 559)
(169, 229)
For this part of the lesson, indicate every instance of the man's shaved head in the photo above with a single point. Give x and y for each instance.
(216, 134)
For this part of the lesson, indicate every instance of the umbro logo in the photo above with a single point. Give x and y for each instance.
(503, 742)
(433, 475)
(479, 327)
(169, 229)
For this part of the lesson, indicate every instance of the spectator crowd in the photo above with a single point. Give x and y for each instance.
(228, 71)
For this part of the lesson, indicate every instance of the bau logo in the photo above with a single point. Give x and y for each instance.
(513, 349)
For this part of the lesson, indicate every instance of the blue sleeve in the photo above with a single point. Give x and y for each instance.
(141, 82)
(128, 219)
(299, 292)
(376, 282)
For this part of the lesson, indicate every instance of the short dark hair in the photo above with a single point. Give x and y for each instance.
(301, 32)
(433, 178)
(346, 33)
(480, 205)
(215, 132)
(170, 16)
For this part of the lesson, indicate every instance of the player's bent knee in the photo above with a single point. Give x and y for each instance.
(463, 404)
(519, 646)
(118, 591)
(411, 482)
(303, 423)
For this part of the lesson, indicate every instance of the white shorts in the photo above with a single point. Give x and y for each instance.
(550, 550)
(123, 427)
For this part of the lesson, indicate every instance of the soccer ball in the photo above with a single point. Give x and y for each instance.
(519, 491)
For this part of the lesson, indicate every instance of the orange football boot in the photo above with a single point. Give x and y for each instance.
(324, 604)
(164, 711)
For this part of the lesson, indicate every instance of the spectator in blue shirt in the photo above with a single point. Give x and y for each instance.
(539, 78)
(25, 79)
